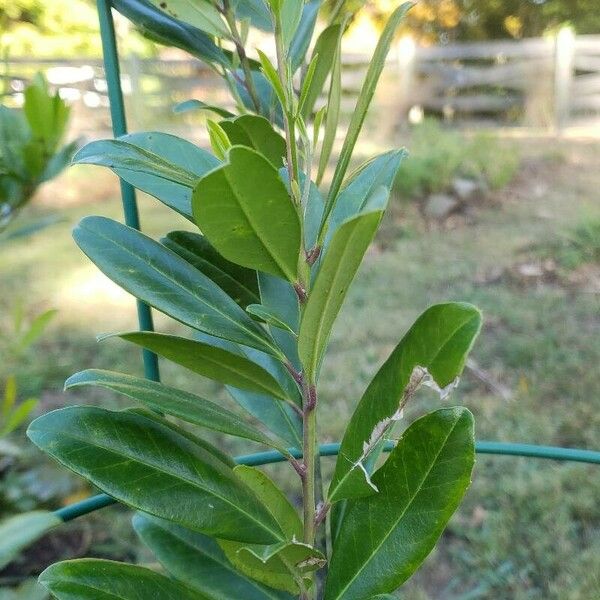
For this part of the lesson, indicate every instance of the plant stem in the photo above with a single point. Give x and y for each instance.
(241, 52)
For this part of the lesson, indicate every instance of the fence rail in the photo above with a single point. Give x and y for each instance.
(550, 82)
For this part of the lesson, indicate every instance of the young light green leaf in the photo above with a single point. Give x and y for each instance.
(270, 72)
(219, 142)
(18, 416)
(258, 310)
(325, 49)
(37, 327)
(436, 346)
(146, 464)
(384, 538)
(174, 402)
(20, 531)
(197, 561)
(236, 205)
(198, 13)
(364, 100)
(209, 361)
(193, 104)
(10, 396)
(254, 131)
(333, 111)
(238, 282)
(337, 271)
(167, 282)
(97, 579)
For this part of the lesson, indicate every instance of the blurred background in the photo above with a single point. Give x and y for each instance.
(498, 103)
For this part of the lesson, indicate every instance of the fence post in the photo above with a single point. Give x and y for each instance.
(564, 55)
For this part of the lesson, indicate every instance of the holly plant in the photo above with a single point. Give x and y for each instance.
(257, 281)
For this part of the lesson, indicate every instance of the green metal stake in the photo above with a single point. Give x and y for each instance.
(119, 127)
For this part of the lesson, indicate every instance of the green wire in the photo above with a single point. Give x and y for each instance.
(78, 509)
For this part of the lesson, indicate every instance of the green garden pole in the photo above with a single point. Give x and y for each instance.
(119, 127)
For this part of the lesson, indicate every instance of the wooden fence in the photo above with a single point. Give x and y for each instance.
(551, 82)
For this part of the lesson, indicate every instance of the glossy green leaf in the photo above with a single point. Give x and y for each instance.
(171, 401)
(165, 281)
(238, 282)
(333, 110)
(236, 206)
(198, 13)
(385, 537)
(193, 104)
(364, 101)
(439, 341)
(20, 531)
(215, 363)
(325, 49)
(358, 192)
(197, 561)
(162, 165)
(337, 271)
(155, 24)
(263, 314)
(96, 579)
(148, 465)
(256, 132)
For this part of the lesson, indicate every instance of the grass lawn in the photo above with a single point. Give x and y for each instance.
(528, 529)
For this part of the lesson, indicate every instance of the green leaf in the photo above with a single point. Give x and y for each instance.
(358, 192)
(304, 33)
(165, 281)
(20, 531)
(337, 271)
(18, 416)
(384, 538)
(279, 417)
(194, 104)
(325, 50)
(174, 402)
(159, 164)
(219, 142)
(276, 564)
(96, 579)
(364, 100)
(153, 23)
(333, 110)
(255, 10)
(198, 561)
(236, 205)
(37, 327)
(263, 314)
(10, 396)
(272, 77)
(208, 361)
(198, 13)
(147, 465)
(256, 132)
(238, 282)
(276, 502)
(439, 341)
(289, 18)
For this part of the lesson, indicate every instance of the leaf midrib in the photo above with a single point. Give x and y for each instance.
(401, 516)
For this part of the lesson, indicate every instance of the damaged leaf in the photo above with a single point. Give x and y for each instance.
(436, 346)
